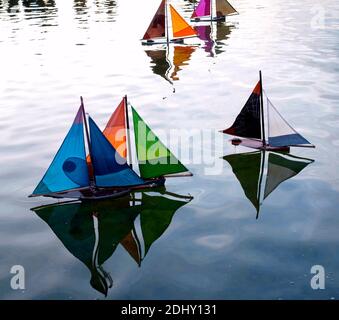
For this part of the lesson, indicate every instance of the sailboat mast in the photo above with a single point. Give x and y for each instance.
(129, 155)
(87, 136)
(166, 22)
(211, 9)
(262, 168)
(262, 111)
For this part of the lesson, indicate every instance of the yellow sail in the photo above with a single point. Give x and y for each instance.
(224, 8)
(181, 29)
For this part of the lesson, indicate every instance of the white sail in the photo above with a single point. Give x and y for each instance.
(280, 133)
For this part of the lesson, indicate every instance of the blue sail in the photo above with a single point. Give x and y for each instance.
(68, 169)
(110, 169)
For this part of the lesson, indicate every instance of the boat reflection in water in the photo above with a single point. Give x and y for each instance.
(261, 172)
(91, 231)
(167, 62)
(213, 34)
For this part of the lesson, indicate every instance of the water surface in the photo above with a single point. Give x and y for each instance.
(211, 247)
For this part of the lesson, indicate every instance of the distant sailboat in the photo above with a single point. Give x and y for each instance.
(158, 30)
(250, 126)
(252, 167)
(214, 10)
(106, 172)
(92, 231)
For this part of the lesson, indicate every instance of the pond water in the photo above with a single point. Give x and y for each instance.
(209, 242)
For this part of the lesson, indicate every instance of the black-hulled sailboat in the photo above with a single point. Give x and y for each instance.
(92, 231)
(261, 172)
(250, 126)
(107, 170)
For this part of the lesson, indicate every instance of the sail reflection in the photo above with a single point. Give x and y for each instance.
(261, 172)
(168, 62)
(91, 231)
(213, 36)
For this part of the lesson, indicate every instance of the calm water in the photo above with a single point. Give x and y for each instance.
(212, 246)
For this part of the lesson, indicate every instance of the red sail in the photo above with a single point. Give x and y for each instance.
(247, 123)
(157, 26)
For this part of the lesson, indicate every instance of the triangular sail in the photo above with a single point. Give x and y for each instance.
(247, 124)
(180, 28)
(280, 133)
(247, 169)
(156, 216)
(160, 64)
(115, 130)
(224, 8)
(110, 169)
(203, 9)
(74, 225)
(131, 246)
(182, 54)
(157, 27)
(282, 167)
(68, 169)
(154, 158)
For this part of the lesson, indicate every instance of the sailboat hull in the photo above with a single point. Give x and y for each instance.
(90, 194)
(160, 41)
(257, 144)
(202, 19)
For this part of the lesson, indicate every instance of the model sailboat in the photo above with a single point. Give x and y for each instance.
(159, 29)
(214, 10)
(106, 172)
(92, 231)
(250, 126)
(261, 172)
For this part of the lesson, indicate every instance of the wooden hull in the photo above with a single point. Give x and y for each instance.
(90, 194)
(257, 144)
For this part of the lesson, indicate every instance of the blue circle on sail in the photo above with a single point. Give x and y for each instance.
(76, 170)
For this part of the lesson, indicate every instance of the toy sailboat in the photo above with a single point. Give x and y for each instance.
(92, 231)
(158, 30)
(206, 11)
(250, 126)
(261, 172)
(106, 172)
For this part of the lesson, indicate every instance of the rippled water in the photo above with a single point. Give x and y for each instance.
(214, 247)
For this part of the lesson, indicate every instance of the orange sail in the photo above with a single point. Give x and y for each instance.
(157, 27)
(181, 29)
(115, 130)
(131, 246)
(181, 57)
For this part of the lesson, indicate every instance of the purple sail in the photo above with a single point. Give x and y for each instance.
(203, 9)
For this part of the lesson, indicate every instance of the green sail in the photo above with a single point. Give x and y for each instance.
(73, 224)
(155, 160)
(246, 167)
(156, 216)
(282, 167)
